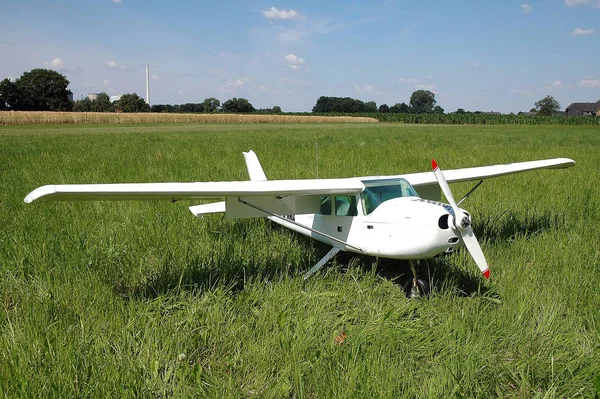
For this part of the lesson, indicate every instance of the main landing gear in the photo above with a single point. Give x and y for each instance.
(416, 287)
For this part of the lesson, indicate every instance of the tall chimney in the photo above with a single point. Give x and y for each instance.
(148, 84)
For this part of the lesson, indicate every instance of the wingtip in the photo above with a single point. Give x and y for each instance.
(39, 192)
(486, 273)
(434, 164)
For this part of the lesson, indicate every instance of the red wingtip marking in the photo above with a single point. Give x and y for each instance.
(434, 164)
(486, 273)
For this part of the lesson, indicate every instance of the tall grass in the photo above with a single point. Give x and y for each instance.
(141, 299)
(36, 118)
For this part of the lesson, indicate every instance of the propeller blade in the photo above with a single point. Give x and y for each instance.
(472, 245)
(444, 186)
(462, 223)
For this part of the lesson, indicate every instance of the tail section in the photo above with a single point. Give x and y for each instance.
(255, 170)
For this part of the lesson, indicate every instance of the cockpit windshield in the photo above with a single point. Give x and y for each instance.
(378, 191)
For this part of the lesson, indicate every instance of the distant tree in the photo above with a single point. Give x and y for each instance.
(402, 108)
(276, 109)
(102, 104)
(83, 105)
(131, 103)
(342, 105)
(211, 104)
(9, 95)
(422, 101)
(460, 111)
(370, 106)
(533, 110)
(158, 108)
(37, 90)
(438, 110)
(237, 105)
(384, 109)
(547, 106)
(191, 107)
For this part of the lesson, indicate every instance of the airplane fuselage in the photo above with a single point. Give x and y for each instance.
(399, 228)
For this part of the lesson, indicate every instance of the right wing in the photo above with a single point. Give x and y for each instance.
(180, 191)
(283, 197)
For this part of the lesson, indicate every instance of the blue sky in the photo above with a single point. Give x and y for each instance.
(478, 55)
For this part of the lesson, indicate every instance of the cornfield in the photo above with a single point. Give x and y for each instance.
(486, 119)
(39, 118)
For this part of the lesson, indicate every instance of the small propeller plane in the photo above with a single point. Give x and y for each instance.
(398, 217)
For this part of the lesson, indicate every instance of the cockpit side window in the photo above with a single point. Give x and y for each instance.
(325, 205)
(345, 205)
(378, 191)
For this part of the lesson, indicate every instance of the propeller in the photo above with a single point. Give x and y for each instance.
(462, 222)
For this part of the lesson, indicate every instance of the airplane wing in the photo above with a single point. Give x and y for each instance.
(427, 186)
(180, 191)
(283, 197)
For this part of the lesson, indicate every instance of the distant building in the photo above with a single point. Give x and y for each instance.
(583, 109)
(93, 96)
(115, 98)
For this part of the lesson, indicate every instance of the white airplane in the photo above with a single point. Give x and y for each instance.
(398, 217)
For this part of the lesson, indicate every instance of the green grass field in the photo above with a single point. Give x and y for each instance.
(141, 299)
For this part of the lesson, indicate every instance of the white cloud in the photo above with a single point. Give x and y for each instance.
(408, 81)
(556, 83)
(266, 89)
(275, 13)
(526, 8)
(117, 1)
(476, 64)
(114, 65)
(430, 77)
(366, 89)
(425, 87)
(181, 92)
(56, 64)
(154, 77)
(232, 85)
(590, 3)
(295, 82)
(106, 82)
(295, 63)
(581, 32)
(593, 83)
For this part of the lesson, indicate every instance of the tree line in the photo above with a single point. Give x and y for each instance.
(47, 90)
(421, 102)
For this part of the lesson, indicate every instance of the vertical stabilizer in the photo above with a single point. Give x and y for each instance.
(255, 170)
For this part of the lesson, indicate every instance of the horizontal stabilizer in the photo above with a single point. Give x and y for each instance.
(215, 207)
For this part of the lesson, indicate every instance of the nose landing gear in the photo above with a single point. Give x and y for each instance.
(416, 287)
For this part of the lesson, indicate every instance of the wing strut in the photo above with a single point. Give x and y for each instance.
(332, 252)
(298, 224)
(470, 192)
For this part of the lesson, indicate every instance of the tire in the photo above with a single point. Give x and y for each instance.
(422, 285)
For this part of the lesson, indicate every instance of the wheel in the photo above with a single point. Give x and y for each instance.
(422, 289)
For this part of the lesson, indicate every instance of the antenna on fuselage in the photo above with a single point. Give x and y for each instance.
(317, 161)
